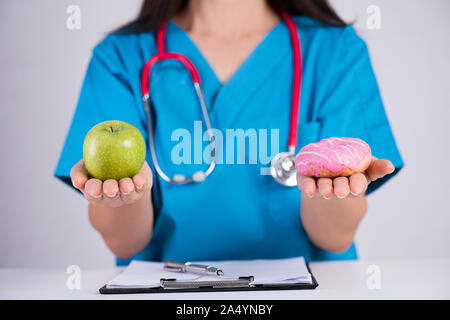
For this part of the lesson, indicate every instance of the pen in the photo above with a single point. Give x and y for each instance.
(192, 267)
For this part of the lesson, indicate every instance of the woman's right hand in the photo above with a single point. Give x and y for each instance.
(111, 193)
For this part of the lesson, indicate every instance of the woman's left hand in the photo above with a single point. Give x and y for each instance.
(342, 187)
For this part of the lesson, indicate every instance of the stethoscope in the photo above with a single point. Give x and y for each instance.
(282, 166)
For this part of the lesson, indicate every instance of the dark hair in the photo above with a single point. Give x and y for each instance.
(154, 12)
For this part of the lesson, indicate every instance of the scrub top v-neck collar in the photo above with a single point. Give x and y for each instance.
(229, 97)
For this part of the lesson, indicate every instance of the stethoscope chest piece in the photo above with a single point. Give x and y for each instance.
(282, 169)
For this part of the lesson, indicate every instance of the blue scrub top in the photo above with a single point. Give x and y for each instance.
(236, 213)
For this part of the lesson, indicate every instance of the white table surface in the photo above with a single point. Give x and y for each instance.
(399, 279)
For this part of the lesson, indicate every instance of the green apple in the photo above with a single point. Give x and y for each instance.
(113, 150)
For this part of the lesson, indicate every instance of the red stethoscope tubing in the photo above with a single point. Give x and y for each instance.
(297, 81)
(162, 54)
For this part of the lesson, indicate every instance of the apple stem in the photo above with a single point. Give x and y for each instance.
(111, 128)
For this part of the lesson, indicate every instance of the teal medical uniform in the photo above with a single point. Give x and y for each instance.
(236, 213)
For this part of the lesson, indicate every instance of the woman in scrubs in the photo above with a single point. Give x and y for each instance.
(243, 53)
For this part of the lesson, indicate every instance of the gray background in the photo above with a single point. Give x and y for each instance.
(43, 223)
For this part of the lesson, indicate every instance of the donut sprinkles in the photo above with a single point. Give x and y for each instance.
(333, 157)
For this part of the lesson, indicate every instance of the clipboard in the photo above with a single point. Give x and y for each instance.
(171, 285)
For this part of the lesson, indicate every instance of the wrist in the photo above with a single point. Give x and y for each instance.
(113, 221)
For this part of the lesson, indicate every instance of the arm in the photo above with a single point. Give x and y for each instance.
(121, 211)
(331, 209)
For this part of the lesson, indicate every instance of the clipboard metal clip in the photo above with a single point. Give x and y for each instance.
(241, 282)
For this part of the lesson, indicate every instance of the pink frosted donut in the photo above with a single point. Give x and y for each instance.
(333, 157)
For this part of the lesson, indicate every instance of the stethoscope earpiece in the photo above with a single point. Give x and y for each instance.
(178, 179)
(199, 176)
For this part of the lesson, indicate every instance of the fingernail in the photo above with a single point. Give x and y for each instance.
(126, 193)
(340, 197)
